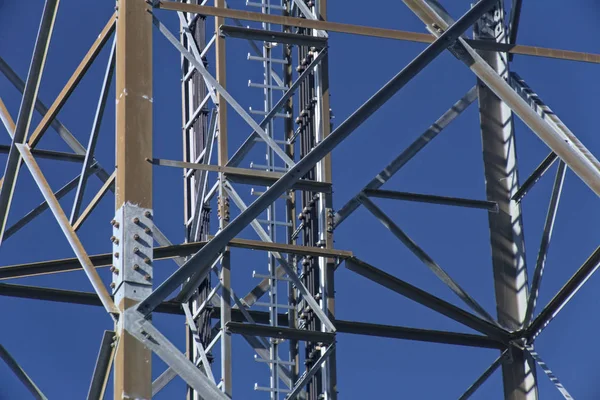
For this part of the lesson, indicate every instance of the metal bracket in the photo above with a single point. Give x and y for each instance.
(132, 251)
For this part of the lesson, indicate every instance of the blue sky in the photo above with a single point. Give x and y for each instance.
(57, 344)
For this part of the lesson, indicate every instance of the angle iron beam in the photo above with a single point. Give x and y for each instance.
(191, 323)
(69, 139)
(199, 264)
(420, 335)
(73, 81)
(222, 91)
(535, 176)
(246, 176)
(31, 215)
(280, 332)
(484, 377)
(507, 240)
(564, 295)
(545, 242)
(88, 298)
(428, 300)
(109, 184)
(62, 130)
(375, 32)
(68, 231)
(49, 154)
(245, 148)
(309, 374)
(553, 378)
(160, 253)
(490, 206)
(289, 248)
(91, 148)
(203, 180)
(146, 333)
(263, 317)
(425, 258)
(289, 269)
(20, 373)
(7, 121)
(513, 24)
(556, 136)
(102, 368)
(41, 108)
(272, 36)
(34, 76)
(419, 144)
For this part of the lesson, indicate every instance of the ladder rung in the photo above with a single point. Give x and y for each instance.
(271, 361)
(196, 113)
(254, 192)
(281, 223)
(263, 86)
(271, 305)
(268, 167)
(266, 389)
(282, 142)
(262, 276)
(259, 112)
(262, 59)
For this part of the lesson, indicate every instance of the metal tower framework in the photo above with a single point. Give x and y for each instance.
(288, 319)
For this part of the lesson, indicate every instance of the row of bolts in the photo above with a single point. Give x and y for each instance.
(136, 250)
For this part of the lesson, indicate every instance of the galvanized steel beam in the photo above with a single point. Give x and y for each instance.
(198, 265)
(23, 123)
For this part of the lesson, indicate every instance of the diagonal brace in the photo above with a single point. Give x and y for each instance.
(545, 244)
(289, 270)
(428, 300)
(91, 148)
(425, 258)
(34, 77)
(146, 333)
(392, 168)
(20, 373)
(70, 234)
(245, 148)
(199, 264)
(484, 377)
(217, 86)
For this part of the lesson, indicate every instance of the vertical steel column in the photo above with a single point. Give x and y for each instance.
(223, 210)
(500, 168)
(326, 214)
(132, 224)
(288, 124)
(195, 142)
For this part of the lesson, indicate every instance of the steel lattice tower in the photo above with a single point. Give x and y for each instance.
(288, 317)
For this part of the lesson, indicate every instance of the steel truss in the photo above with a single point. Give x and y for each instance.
(293, 215)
